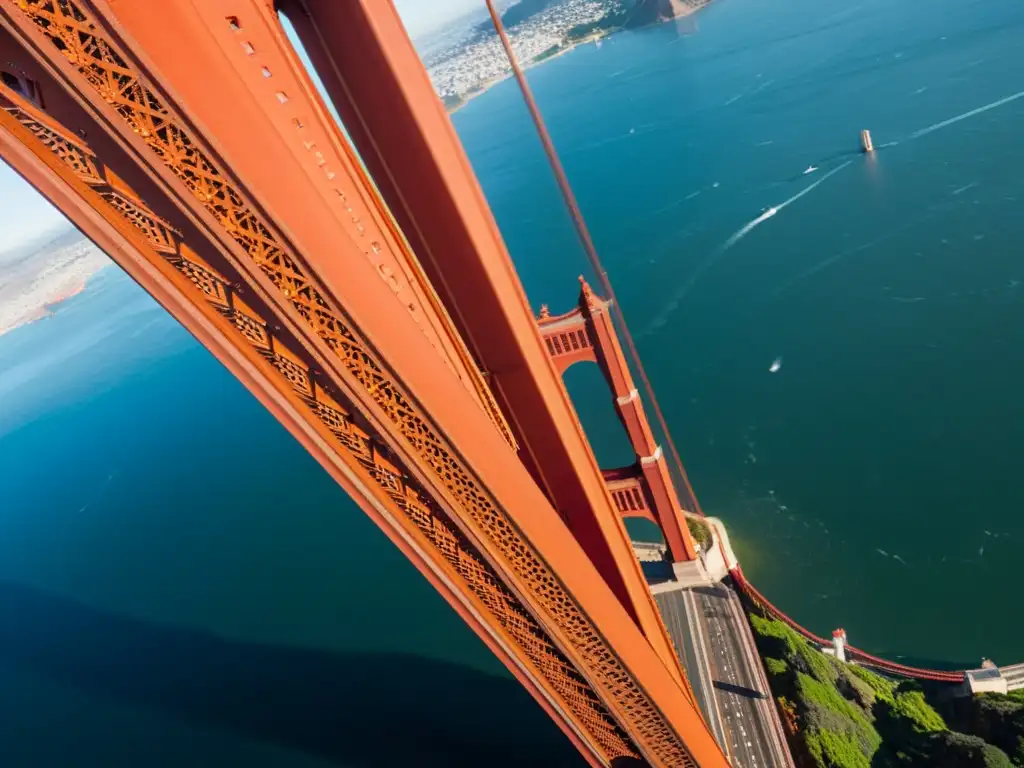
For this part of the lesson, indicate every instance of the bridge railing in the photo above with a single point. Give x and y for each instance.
(862, 657)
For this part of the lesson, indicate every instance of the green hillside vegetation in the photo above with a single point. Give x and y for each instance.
(996, 718)
(844, 716)
(700, 531)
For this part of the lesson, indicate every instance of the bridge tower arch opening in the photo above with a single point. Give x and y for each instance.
(421, 385)
(597, 416)
(644, 487)
(599, 421)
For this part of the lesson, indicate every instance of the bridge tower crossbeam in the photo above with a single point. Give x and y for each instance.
(587, 333)
(188, 142)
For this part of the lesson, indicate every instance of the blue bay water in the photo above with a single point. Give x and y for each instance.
(873, 482)
(175, 571)
(181, 585)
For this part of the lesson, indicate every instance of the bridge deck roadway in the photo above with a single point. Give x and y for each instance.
(1014, 676)
(716, 647)
(679, 611)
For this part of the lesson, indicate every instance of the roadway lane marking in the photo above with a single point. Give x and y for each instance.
(770, 716)
(703, 663)
(733, 662)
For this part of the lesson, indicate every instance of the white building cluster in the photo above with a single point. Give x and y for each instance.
(28, 284)
(474, 64)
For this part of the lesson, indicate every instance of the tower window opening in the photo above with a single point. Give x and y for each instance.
(22, 86)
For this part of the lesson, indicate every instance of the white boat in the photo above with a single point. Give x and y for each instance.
(810, 169)
(776, 365)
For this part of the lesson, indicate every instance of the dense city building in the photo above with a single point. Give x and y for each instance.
(475, 59)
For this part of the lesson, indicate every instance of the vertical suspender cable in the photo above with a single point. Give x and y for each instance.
(691, 502)
(606, 287)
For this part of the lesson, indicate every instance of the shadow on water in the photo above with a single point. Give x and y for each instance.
(362, 709)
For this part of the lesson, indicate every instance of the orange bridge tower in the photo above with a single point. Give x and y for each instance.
(645, 488)
(355, 282)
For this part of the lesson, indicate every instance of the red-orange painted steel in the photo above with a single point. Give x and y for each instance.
(576, 215)
(211, 137)
(591, 323)
(377, 82)
(567, 339)
(863, 657)
(129, 249)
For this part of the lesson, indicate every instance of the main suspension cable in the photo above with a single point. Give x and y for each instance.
(690, 502)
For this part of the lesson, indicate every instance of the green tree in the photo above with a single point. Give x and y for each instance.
(700, 531)
(845, 716)
(958, 750)
(911, 708)
(996, 718)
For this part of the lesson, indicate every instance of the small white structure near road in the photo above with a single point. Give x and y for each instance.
(839, 644)
(988, 679)
(838, 648)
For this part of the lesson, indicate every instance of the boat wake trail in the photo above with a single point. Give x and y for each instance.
(741, 233)
(965, 187)
(818, 183)
(749, 227)
(965, 115)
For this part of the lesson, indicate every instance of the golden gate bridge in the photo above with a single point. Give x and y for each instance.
(688, 496)
(357, 284)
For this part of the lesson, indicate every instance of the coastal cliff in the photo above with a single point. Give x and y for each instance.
(655, 11)
(839, 715)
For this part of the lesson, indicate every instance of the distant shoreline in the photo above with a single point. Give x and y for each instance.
(49, 307)
(65, 295)
(593, 37)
